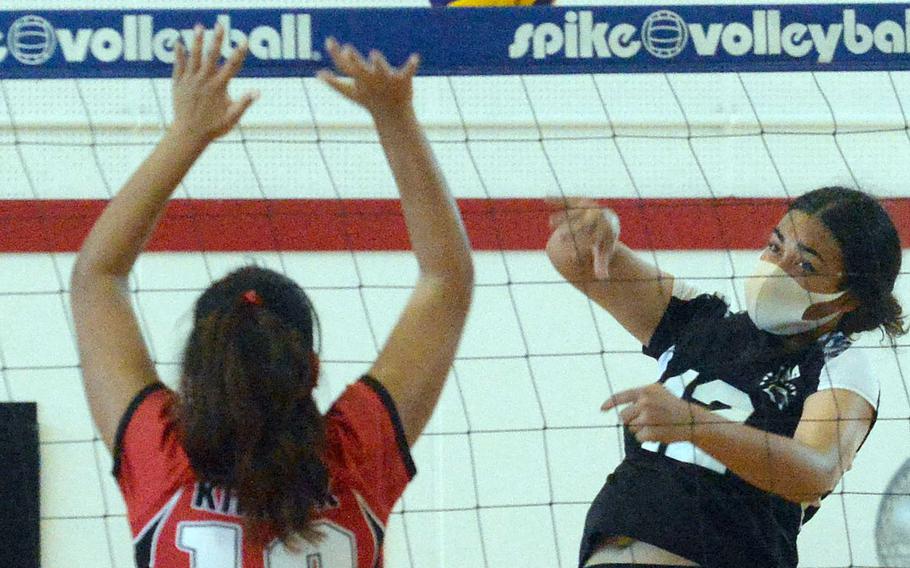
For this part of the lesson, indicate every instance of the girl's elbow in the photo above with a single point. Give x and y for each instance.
(828, 479)
(82, 274)
(466, 272)
(819, 483)
(460, 278)
(809, 485)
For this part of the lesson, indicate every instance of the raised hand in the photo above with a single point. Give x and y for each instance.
(593, 231)
(372, 83)
(203, 110)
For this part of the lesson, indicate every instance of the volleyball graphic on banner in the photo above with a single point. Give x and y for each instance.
(664, 34)
(31, 40)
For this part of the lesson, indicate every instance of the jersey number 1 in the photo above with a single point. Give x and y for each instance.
(220, 545)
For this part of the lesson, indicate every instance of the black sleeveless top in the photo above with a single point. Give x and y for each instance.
(681, 499)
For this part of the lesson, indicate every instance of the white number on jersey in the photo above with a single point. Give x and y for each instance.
(740, 409)
(337, 549)
(220, 545)
(211, 544)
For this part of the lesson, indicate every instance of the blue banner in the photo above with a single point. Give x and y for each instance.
(491, 41)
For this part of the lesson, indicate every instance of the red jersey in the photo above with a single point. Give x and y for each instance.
(178, 521)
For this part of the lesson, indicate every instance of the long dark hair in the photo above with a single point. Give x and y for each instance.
(246, 411)
(871, 253)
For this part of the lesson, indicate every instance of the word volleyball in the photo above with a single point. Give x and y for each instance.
(664, 34)
(106, 43)
(32, 40)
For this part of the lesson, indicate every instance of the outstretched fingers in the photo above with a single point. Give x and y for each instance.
(353, 54)
(381, 65)
(195, 58)
(372, 82)
(210, 62)
(342, 86)
(238, 107)
(379, 62)
(620, 398)
(227, 72)
(179, 61)
(346, 59)
(409, 69)
(233, 64)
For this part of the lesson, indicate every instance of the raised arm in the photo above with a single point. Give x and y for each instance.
(113, 356)
(415, 360)
(585, 248)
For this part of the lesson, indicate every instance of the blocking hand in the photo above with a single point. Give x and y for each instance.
(203, 109)
(372, 83)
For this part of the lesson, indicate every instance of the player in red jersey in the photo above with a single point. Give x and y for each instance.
(239, 468)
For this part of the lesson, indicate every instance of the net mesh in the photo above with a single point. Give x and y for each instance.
(517, 448)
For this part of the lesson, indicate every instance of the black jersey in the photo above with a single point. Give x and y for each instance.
(679, 498)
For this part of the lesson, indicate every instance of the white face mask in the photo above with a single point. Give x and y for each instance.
(776, 302)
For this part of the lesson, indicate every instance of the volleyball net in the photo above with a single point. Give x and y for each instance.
(696, 124)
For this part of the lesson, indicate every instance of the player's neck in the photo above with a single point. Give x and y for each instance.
(800, 341)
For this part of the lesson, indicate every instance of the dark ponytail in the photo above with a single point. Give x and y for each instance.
(247, 414)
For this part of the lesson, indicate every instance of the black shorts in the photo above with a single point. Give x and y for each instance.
(707, 518)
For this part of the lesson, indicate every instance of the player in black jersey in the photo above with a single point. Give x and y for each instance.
(755, 415)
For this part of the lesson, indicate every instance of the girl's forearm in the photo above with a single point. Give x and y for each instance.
(779, 465)
(437, 234)
(126, 224)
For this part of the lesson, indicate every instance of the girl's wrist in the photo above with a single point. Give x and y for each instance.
(185, 138)
(395, 112)
(703, 421)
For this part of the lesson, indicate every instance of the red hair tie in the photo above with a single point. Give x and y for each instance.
(252, 297)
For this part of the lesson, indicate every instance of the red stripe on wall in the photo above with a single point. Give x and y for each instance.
(377, 224)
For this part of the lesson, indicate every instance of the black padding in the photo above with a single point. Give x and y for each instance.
(19, 497)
